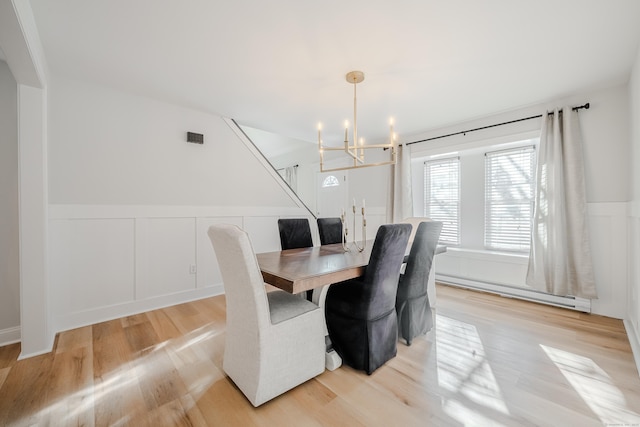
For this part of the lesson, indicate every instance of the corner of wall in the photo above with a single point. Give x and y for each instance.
(634, 341)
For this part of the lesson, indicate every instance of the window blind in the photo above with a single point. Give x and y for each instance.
(509, 193)
(442, 196)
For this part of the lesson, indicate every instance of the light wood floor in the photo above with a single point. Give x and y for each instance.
(488, 361)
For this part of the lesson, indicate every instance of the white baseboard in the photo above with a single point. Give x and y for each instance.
(578, 304)
(9, 336)
(48, 347)
(89, 317)
(634, 340)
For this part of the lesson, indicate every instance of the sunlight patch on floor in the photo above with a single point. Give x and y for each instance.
(464, 372)
(594, 386)
(82, 403)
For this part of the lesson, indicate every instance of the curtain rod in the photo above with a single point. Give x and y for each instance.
(464, 132)
(281, 169)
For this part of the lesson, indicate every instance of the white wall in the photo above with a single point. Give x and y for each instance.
(21, 45)
(112, 148)
(632, 322)
(9, 262)
(131, 201)
(605, 134)
(605, 128)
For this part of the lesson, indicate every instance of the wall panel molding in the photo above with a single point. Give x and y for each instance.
(58, 211)
(114, 261)
(608, 225)
(9, 336)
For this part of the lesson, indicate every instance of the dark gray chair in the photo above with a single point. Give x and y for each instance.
(330, 230)
(295, 233)
(412, 301)
(360, 313)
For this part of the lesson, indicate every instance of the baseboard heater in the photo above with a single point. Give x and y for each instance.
(573, 303)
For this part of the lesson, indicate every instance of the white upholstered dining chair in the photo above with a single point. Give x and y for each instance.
(274, 340)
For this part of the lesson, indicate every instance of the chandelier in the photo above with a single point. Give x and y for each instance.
(356, 150)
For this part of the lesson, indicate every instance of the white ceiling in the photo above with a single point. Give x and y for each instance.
(279, 65)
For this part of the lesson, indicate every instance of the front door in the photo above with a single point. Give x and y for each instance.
(332, 193)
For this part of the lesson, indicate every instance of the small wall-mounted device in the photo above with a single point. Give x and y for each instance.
(196, 138)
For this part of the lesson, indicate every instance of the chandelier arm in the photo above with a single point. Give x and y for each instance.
(357, 150)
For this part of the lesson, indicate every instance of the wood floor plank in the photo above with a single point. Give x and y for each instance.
(110, 348)
(224, 405)
(163, 326)
(488, 361)
(69, 393)
(159, 380)
(23, 393)
(118, 398)
(141, 337)
(9, 355)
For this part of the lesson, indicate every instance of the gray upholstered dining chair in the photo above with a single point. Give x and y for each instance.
(360, 313)
(412, 301)
(330, 230)
(415, 222)
(295, 233)
(274, 341)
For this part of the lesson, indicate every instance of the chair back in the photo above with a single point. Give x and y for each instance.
(295, 233)
(415, 222)
(330, 230)
(420, 258)
(383, 270)
(246, 298)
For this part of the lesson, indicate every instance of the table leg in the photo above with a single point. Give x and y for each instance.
(331, 358)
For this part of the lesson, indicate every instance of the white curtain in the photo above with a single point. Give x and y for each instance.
(290, 175)
(560, 258)
(400, 199)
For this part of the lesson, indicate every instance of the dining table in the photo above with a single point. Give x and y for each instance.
(315, 268)
(303, 269)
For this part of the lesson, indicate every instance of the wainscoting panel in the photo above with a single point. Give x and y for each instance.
(263, 232)
(91, 263)
(484, 266)
(608, 233)
(9, 336)
(632, 323)
(208, 271)
(113, 261)
(165, 256)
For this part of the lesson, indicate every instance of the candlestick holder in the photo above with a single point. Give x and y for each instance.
(345, 233)
(364, 230)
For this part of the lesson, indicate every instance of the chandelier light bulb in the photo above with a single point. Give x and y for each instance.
(356, 151)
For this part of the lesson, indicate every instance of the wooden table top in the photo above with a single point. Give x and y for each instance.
(298, 270)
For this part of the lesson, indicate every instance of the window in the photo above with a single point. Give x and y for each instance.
(330, 181)
(509, 194)
(442, 196)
